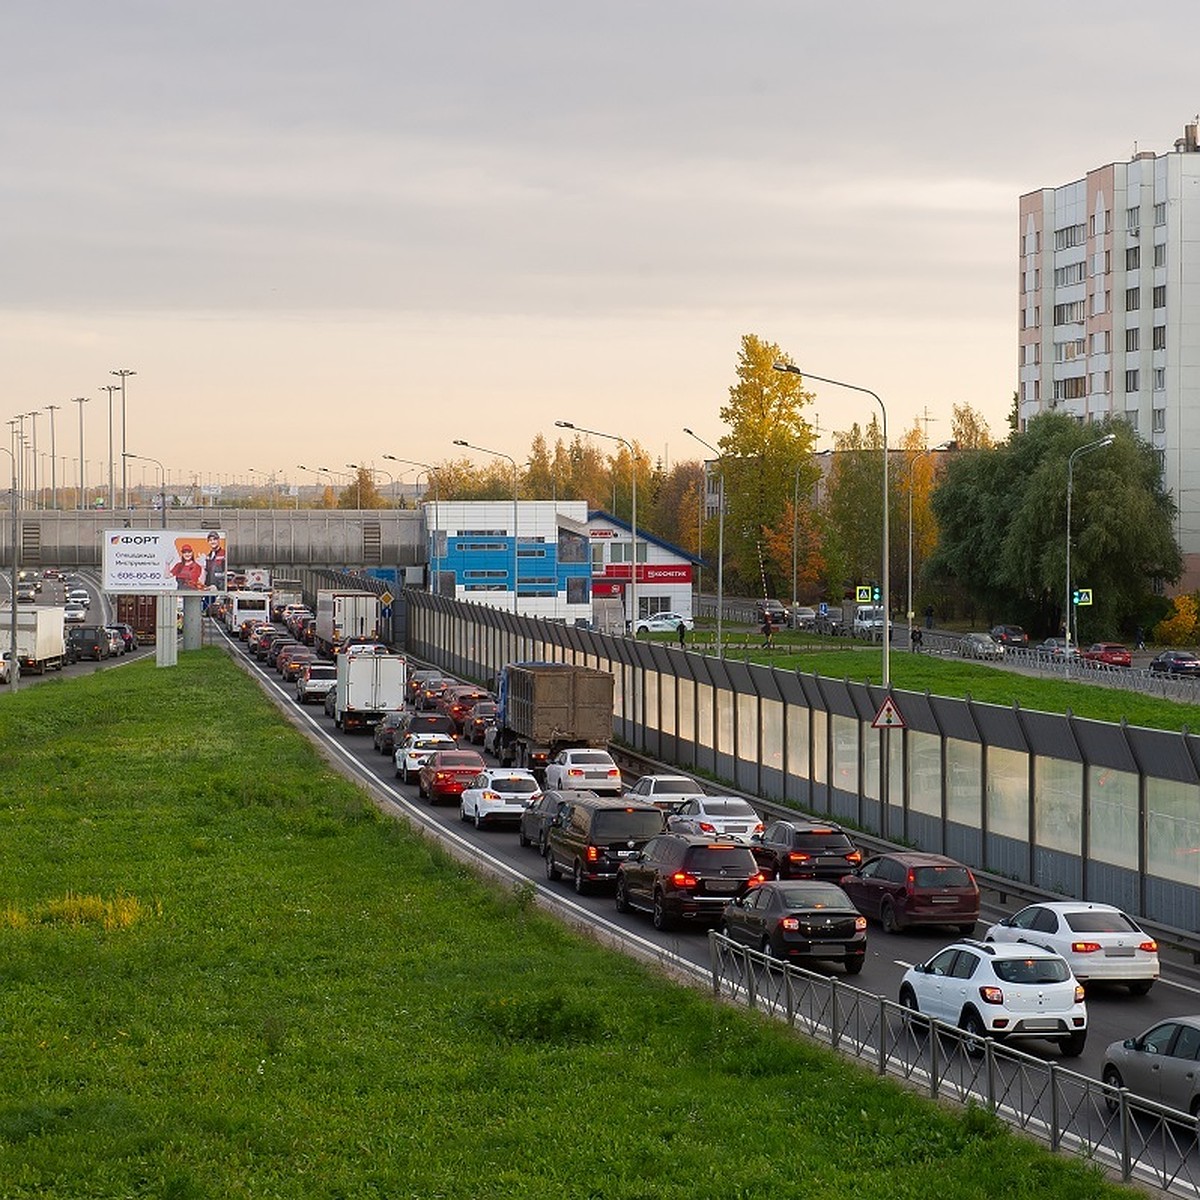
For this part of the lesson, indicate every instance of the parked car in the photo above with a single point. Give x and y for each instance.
(1175, 662)
(482, 712)
(1111, 654)
(805, 920)
(906, 888)
(385, 730)
(1098, 941)
(534, 825)
(316, 681)
(666, 622)
(1158, 1065)
(1000, 991)
(1058, 648)
(982, 646)
(590, 836)
(414, 748)
(722, 816)
(1010, 636)
(590, 769)
(666, 791)
(685, 877)
(445, 773)
(800, 849)
(498, 794)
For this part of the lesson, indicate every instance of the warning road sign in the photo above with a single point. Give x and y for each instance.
(888, 716)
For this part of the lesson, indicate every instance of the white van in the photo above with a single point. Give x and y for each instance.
(869, 620)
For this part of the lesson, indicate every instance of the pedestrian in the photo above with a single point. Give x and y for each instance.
(929, 616)
(767, 630)
(1140, 638)
(682, 631)
(917, 638)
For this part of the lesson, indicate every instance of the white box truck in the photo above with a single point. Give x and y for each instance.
(41, 637)
(369, 685)
(343, 614)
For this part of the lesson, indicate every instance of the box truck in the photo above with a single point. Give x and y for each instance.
(41, 637)
(343, 614)
(369, 685)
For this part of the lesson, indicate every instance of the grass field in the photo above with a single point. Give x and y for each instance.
(225, 975)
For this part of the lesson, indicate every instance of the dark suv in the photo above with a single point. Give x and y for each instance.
(685, 876)
(592, 835)
(90, 641)
(907, 888)
(802, 849)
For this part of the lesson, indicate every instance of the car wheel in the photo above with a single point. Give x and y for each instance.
(767, 948)
(1072, 1047)
(660, 917)
(966, 930)
(577, 880)
(854, 965)
(462, 813)
(522, 840)
(972, 1026)
(552, 871)
(887, 918)
(1139, 987)
(621, 898)
(1112, 1079)
(400, 774)
(478, 820)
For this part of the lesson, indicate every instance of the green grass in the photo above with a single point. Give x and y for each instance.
(223, 974)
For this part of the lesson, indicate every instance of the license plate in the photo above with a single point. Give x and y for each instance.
(623, 853)
(944, 899)
(1119, 952)
(1040, 1023)
(722, 885)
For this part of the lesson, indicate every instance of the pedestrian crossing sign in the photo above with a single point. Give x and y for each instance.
(863, 594)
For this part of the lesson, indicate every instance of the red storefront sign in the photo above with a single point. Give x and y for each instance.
(647, 573)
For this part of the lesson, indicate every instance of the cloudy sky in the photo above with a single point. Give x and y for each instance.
(321, 233)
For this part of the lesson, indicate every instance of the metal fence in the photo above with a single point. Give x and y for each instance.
(1136, 1139)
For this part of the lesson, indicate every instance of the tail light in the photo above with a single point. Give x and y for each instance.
(796, 857)
(860, 923)
(574, 773)
(614, 773)
(492, 796)
(757, 828)
(791, 924)
(1078, 993)
(682, 879)
(991, 995)
(1150, 947)
(706, 827)
(755, 880)
(1085, 947)
(855, 856)
(592, 854)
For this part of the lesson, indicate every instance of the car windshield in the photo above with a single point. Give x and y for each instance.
(461, 760)
(485, 708)
(675, 787)
(322, 672)
(1031, 970)
(517, 784)
(628, 823)
(429, 744)
(1099, 921)
(816, 895)
(722, 858)
(597, 758)
(941, 877)
(835, 842)
(728, 808)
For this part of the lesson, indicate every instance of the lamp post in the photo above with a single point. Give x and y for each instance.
(162, 479)
(33, 416)
(432, 475)
(720, 541)
(789, 369)
(81, 401)
(14, 666)
(52, 409)
(513, 461)
(112, 487)
(123, 374)
(1098, 444)
(612, 437)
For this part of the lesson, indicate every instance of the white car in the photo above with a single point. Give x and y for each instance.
(1001, 991)
(667, 791)
(415, 748)
(315, 681)
(498, 794)
(725, 816)
(663, 623)
(583, 770)
(79, 596)
(74, 614)
(1099, 942)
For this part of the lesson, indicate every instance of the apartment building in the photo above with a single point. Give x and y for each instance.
(1110, 311)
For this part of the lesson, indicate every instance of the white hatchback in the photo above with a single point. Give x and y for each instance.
(1100, 943)
(498, 794)
(415, 748)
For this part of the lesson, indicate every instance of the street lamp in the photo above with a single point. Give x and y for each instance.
(112, 498)
(433, 475)
(81, 401)
(52, 409)
(14, 665)
(612, 437)
(33, 416)
(162, 478)
(1098, 444)
(720, 540)
(789, 369)
(501, 454)
(123, 374)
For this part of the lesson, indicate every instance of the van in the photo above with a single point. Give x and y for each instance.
(590, 836)
(869, 621)
(90, 641)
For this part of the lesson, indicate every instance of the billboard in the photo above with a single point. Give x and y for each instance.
(164, 560)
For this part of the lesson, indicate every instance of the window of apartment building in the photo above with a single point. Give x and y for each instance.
(1067, 351)
(1098, 342)
(1100, 302)
(1031, 355)
(1160, 379)
(1073, 235)
(1071, 273)
(1160, 337)
(1098, 383)
(1131, 381)
(1133, 218)
(1160, 214)
(1070, 389)
(1070, 314)
(1158, 420)
(1160, 461)
(1131, 419)
(1160, 254)
(1092, 225)
(1133, 258)
(1131, 339)
(1160, 296)
(1133, 299)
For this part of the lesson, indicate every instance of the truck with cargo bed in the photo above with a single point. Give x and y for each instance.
(41, 637)
(343, 614)
(542, 708)
(369, 685)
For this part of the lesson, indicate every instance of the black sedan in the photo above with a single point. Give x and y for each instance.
(799, 920)
(1176, 662)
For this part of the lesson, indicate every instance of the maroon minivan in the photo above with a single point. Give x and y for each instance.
(909, 888)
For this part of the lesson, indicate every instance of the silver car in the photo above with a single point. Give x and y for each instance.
(723, 816)
(1160, 1065)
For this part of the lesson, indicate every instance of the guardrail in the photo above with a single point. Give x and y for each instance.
(1136, 1139)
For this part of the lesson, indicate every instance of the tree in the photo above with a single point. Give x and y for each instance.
(968, 430)
(853, 499)
(1178, 627)
(361, 491)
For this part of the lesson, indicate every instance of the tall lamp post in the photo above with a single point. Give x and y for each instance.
(1098, 444)
(433, 475)
(81, 401)
(14, 666)
(789, 369)
(52, 409)
(37, 502)
(612, 437)
(513, 461)
(123, 374)
(112, 487)
(720, 540)
(162, 479)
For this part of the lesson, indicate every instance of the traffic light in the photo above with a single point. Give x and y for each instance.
(876, 593)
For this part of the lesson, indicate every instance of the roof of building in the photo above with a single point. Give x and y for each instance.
(599, 514)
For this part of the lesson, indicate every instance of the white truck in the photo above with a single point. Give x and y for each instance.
(283, 593)
(41, 637)
(369, 685)
(343, 614)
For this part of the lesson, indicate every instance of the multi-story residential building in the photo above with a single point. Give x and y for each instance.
(1110, 311)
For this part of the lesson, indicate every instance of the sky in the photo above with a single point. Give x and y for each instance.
(321, 233)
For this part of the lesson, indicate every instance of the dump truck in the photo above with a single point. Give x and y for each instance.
(343, 614)
(41, 637)
(543, 708)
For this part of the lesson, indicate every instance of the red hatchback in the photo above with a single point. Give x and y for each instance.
(1111, 654)
(908, 888)
(447, 772)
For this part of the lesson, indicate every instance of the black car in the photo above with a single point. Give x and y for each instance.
(534, 825)
(799, 919)
(1010, 636)
(805, 850)
(1176, 662)
(685, 877)
(591, 836)
(386, 730)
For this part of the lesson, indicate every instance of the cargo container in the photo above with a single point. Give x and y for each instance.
(140, 612)
(543, 708)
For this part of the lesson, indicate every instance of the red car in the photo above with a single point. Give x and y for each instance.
(1112, 654)
(447, 772)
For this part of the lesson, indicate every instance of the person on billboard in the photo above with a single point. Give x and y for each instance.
(214, 563)
(187, 571)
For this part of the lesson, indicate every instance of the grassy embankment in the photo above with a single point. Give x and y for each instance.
(225, 975)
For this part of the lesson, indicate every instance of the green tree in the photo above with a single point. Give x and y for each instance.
(969, 430)
(853, 498)
(361, 491)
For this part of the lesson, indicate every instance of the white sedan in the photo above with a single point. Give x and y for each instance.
(663, 623)
(666, 791)
(583, 770)
(498, 794)
(726, 816)
(415, 748)
(1100, 943)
